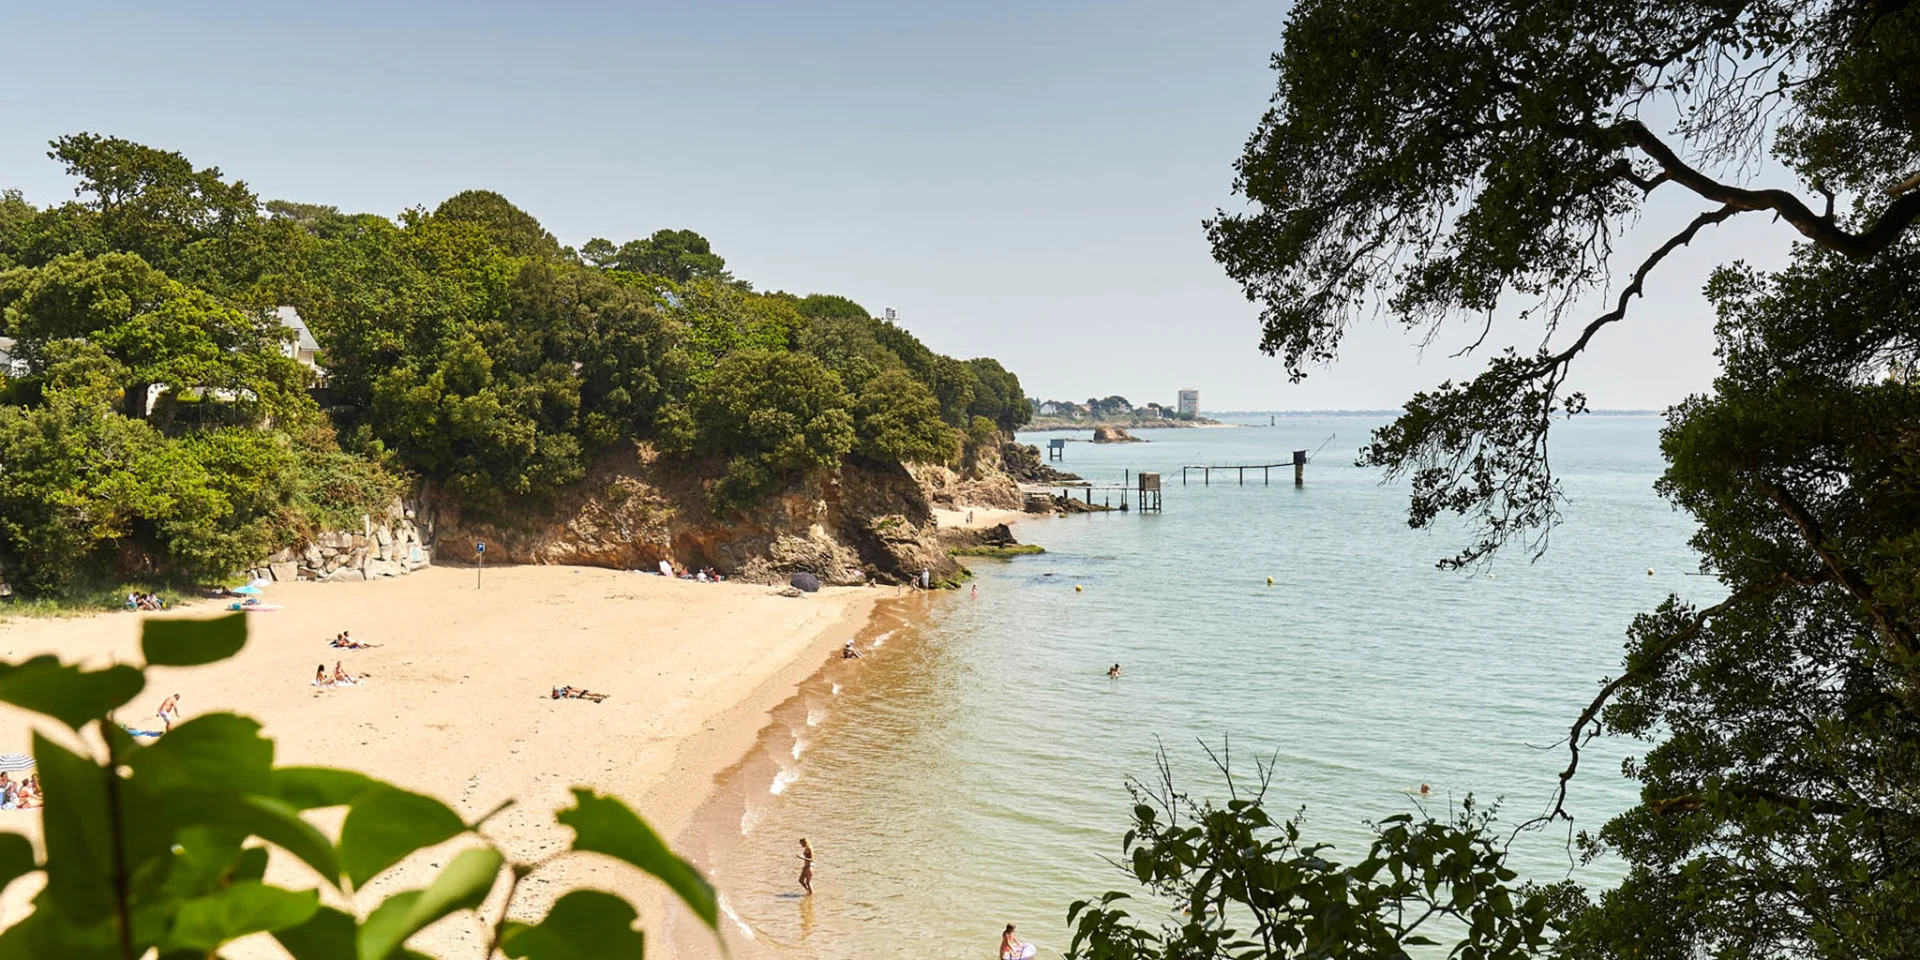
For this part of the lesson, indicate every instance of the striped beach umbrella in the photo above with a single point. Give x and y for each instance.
(15, 762)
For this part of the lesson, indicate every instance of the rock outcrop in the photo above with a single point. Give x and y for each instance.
(1021, 462)
(866, 522)
(390, 545)
(1114, 435)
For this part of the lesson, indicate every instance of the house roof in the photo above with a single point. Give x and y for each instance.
(303, 337)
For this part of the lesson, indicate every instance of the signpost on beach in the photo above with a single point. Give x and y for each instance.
(479, 560)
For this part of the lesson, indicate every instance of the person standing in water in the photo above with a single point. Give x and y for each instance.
(806, 866)
(976, 591)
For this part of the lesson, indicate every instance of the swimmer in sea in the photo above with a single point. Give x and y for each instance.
(1010, 946)
(1113, 672)
(806, 866)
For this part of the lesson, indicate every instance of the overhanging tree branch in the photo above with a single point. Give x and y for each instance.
(1845, 573)
(1823, 230)
(1649, 662)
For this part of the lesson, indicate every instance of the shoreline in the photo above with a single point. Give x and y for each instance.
(457, 706)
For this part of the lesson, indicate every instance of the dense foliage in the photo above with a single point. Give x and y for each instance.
(1228, 880)
(161, 849)
(164, 427)
(1428, 159)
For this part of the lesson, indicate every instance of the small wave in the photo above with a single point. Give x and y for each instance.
(836, 689)
(783, 780)
(727, 908)
(815, 715)
(799, 747)
(749, 819)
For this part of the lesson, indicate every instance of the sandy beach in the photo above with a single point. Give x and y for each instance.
(456, 704)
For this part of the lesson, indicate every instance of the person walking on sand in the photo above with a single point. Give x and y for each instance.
(806, 866)
(170, 711)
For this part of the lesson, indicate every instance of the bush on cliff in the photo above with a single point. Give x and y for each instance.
(771, 415)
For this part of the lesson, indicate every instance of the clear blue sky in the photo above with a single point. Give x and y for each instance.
(1019, 180)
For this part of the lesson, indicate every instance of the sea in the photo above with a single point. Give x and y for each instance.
(972, 771)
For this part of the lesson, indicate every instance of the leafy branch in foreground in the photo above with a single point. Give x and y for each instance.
(1237, 883)
(163, 848)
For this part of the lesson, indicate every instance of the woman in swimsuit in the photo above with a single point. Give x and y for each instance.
(806, 866)
(1010, 946)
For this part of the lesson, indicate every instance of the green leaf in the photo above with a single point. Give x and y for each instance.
(461, 886)
(265, 817)
(308, 787)
(78, 832)
(243, 908)
(327, 935)
(67, 693)
(46, 933)
(583, 925)
(381, 933)
(201, 857)
(190, 643)
(16, 858)
(217, 750)
(388, 823)
(605, 825)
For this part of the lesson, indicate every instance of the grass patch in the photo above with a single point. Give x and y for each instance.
(1012, 550)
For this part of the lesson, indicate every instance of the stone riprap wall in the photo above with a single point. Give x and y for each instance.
(391, 545)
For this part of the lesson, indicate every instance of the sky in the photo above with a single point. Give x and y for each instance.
(1021, 180)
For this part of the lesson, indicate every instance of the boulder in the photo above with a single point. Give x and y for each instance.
(312, 555)
(1114, 435)
(284, 570)
(382, 535)
(384, 568)
(347, 574)
(280, 556)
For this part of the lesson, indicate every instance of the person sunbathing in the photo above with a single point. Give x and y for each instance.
(340, 674)
(320, 678)
(577, 693)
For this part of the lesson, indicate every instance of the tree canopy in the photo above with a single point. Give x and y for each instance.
(1436, 160)
(461, 346)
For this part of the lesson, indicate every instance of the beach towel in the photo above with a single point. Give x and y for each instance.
(140, 733)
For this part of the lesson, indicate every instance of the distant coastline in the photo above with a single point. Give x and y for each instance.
(1228, 418)
(1393, 413)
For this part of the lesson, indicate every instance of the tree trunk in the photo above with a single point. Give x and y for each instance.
(134, 404)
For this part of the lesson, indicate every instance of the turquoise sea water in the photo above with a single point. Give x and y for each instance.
(972, 772)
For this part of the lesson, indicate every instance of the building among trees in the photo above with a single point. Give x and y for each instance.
(1189, 404)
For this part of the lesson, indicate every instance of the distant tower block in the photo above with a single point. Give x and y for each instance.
(1189, 404)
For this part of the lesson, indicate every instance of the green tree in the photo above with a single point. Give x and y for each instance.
(160, 332)
(513, 229)
(154, 203)
(998, 396)
(897, 419)
(162, 849)
(771, 415)
(1228, 880)
(1427, 159)
(678, 255)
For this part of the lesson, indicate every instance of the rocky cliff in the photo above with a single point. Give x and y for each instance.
(866, 522)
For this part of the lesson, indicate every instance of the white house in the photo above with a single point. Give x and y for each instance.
(10, 365)
(304, 347)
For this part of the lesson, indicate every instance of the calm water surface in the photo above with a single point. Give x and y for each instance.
(972, 773)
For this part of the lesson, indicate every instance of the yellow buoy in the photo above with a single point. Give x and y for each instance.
(1492, 577)
(1269, 581)
(1649, 571)
(1076, 588)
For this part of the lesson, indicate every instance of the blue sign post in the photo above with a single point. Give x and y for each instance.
(479, 561)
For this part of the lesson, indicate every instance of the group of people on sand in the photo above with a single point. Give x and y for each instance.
(340, 677)
(22, 794)
(344, 640)
(702, 575)
(146, 601)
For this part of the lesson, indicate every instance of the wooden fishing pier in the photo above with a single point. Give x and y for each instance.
(1299, 464)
